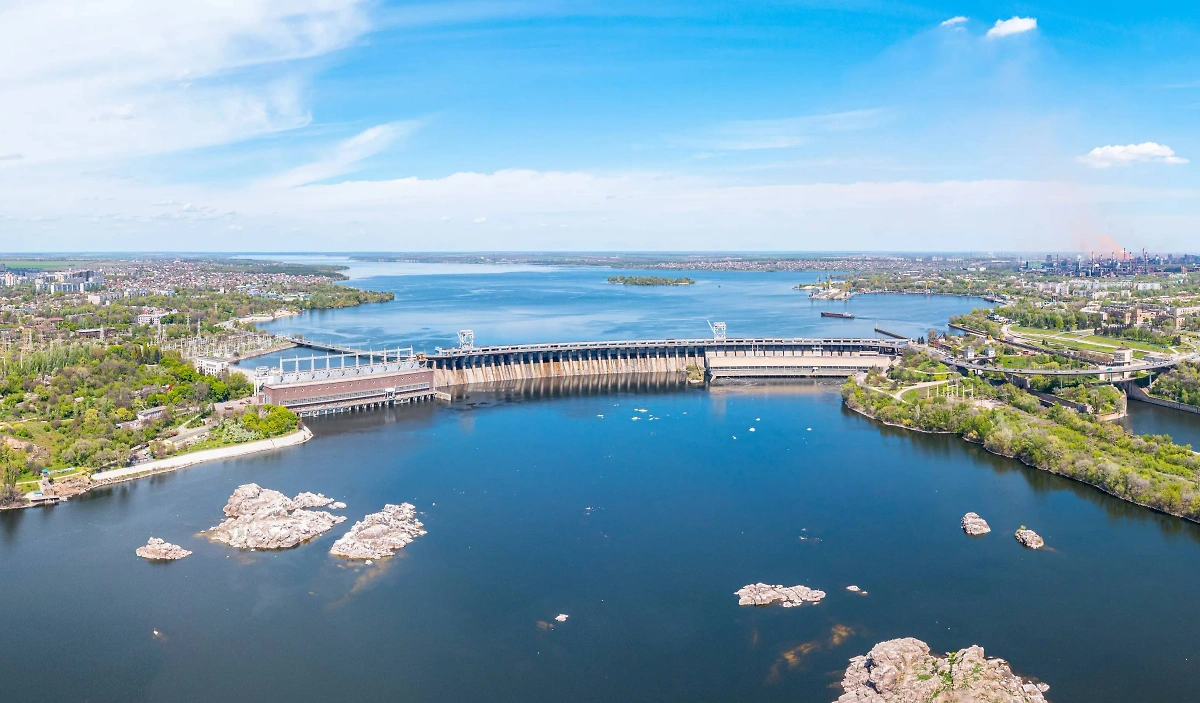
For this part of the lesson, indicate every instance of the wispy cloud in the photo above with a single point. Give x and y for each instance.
(139, 77)
(1146, 152)
(1016, 25)
(346, 156)
(783, 133)
(953, 21)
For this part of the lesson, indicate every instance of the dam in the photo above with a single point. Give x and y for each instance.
(717, 358)
(342, 382)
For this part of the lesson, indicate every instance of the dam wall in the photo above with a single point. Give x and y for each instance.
(520, 366)
(727, 357)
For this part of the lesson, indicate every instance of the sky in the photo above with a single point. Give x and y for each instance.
(776, 125)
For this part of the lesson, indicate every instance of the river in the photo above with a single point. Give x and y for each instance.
(550, 498)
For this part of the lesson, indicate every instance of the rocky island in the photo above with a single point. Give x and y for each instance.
(260, 518)
(380, 534)
(790, 596)
(974, 525)
(1029, 538)
(158, 550)
(903, 671)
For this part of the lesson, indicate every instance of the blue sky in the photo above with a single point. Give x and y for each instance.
(349, 125)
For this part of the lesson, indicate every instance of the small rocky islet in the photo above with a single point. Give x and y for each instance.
(380, 534)
(160, 550)
(904, 671)
(759, 594)
(261, 518)
(1029, 538)
(974, 525)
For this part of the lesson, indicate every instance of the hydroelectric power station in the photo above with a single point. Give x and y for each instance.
(350, 379)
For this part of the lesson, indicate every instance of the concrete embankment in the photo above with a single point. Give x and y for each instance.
(557, 367)
(1136, 392)
(128, 473)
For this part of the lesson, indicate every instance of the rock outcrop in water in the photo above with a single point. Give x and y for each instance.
(903, 671)
(311, 500)
(380, 534)
(1029, 538)
(974, 525)
(764, 594)
(260, 518)
(159, 550)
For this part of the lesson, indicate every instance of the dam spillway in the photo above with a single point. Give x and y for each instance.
(719, 358)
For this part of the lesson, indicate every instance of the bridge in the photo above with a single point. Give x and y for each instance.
(341, 350)
(718, 357)
(340, 381)
(1116, 370)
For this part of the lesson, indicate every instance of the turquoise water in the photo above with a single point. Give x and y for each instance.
(639, 530)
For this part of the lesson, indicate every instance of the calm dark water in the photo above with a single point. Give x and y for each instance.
(1145, 418)
(639, 530)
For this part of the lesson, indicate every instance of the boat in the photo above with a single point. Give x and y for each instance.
(844, 315)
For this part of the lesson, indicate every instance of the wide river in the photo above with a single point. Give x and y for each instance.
(551, 498)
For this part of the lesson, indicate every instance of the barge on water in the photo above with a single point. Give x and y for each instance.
(843, 315)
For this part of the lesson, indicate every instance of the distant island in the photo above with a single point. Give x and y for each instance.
(650, 281)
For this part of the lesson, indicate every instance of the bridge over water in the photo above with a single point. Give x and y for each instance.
(341, 381)
(719, 357)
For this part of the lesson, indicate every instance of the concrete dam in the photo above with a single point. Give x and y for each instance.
(717, 358)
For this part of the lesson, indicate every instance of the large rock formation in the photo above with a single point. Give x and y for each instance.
(260, 518)
(974, 525)
(903, 671)
(159, 550)
(1029, 538)
(380, 534)
(791, 596)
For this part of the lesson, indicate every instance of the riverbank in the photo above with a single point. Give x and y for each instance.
(1148, 471)
(183, 461)
(174, 463)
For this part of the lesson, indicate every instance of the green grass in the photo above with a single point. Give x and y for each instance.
(1130, 343)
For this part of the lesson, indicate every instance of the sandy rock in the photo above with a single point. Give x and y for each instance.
(311, 500)
(1030, 539)
(974, 525)
(260, 518)
(903, 671)
(161, 551)
(69, 486)
(764, 594)
(380, 534)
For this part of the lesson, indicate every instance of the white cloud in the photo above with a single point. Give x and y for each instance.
(1016, 25)
(953, 21)
(479, 220)
(630, 211)
(1107, 156)
(107, 79)
(346, 155)
(783, 133)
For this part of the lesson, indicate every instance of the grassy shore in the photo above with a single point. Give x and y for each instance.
(1149, 470)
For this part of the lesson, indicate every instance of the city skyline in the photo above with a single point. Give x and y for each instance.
(338, 125)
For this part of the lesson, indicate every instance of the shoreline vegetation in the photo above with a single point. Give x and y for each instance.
(1181, 384)
(650, 281)
(1148, 470)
